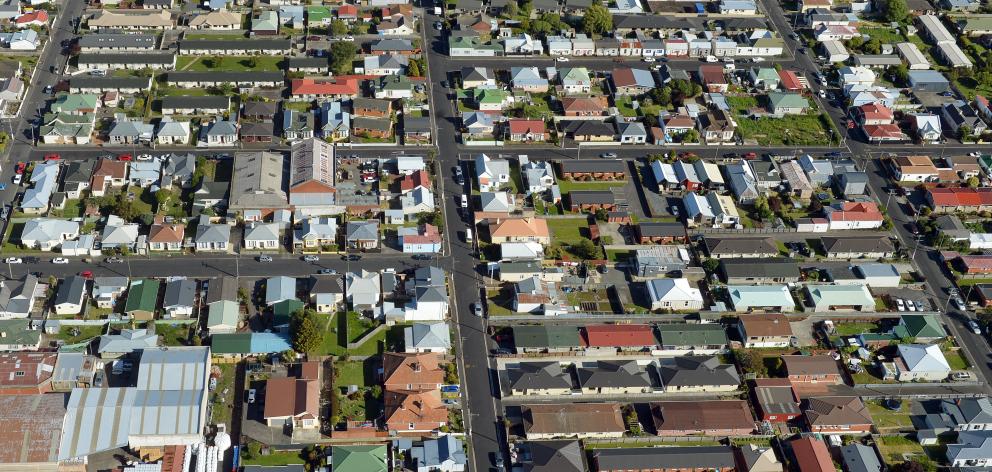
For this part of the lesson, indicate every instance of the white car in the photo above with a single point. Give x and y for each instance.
(18, 178)
(464, 201)
(348, 38)
(13, 260)
(60, 260)
(144, 157)
(900, 305)
(311, 258)
(648, 59)
(561, 59)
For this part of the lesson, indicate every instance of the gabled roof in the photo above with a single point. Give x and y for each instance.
(836, 411)
(697, 371)
(923, 358)
(630, 335)
(538, 376)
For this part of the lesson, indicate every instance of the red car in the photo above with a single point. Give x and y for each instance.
(124, 157)
(86, 274)
(52, 157)
(20, 168)
(751, 155)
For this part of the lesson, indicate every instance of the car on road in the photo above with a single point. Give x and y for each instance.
(561, 59)
(463, 200)
(98, 379)
(311, 258)
(648, 59)
(48, 90)
(348, 38)
(52, 157)
(327, 271)
(3, 187)
(444, 84)
(959, 303)
(974, 327)
(608, 155)
(421, 257)
(144, 157)
(477, 308)
(114, 260)
(438, 26)
(251, 395)
(459, 176)
(124, 157)
(86, 274)
(14, 260)
(5, 212)
(60, 260)
(264, 258)
(351, 258)
(499, 462)
(960, 376)
(18, 178)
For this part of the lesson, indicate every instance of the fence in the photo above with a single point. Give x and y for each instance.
(698, 231)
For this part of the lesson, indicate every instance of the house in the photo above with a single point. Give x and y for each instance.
(126, 131)
(660, 261)
(660, 233)
(767, 330)
(262, 236)
(427, 337)
(223, 317)
(111, 20)
(212, 237)
(70, 295)
(674, 294)
(118, 234)
(362, 235)
(713, 78)
(754, 458)
(747, 298)
(962, 118)
(632, 133)
(914, 169)
(292, 402)
(968, 414)
(775, 400)
(416, 129)
(759, 271)
(916, 362)
(582, 420)
(216, 20)
(959, 199)
(118, 42)
(538, 176)
(528, 79)
(867, 247)
(851, 183)
(166, 237)
(705, 417)
(748, 247)
(612, 377)
(179, 298)
(840, 297)
(787, 103)
(629, 81)
(878, 275)
(972, 450)
(698, 374)
(48, 234)
(713, 210)
(593, 169)
(359, 458)
(444, 454)
(312, 176)
(169, 132)
(386, 64)
(545, 338)
(107, 289)
(591, 201)
(111, 346)
(257, 184)
(327, 292)
(716, 126)
(928, 127)
(423, 239)
(811, 455)
(411, 371)
(534, 295)
(860, 458)
(590, 131)
(142, 299)
(609, 338)
(555, 456)
(585, 106)
(363, 289)
(218, 132)
(699, 339)
(522, 130)
(666, 459)
(836, 415)
(922, 328)
(812, 369)
(574, 80)
(538, 378)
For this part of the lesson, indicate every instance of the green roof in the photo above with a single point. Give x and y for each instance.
(74, 102)
(877, 337)
(576, 74)
(545, 336)
(766, 73)
(281, 311)
(317, 14)
(224, 312)
(490, 96)
(358, 458)
(234, 343)
(787, 100)
(919, 326)
(681, 334)
(18, 332)
(142, 296)
(267, 20)
(395, 82)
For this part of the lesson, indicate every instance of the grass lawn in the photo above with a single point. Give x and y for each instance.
(72, 209)
(221, 411)
(970, 87)
(240, 63)
(865, 377)
(333, 345)
(144, 199)
(893, 448)
(12, 237)
(217, 36)
(884, 34)
(84, 333)
(888, 419)
(956, 360)
(569, 185)
(275, 458)
(851, 329)
(499, 303)
(742, 103)
(615, 255)
(358, 326)
(567, 230)
(981, 280)
(172, 334)
(802, 130)
(350, 373)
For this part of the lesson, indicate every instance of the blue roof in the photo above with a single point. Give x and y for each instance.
(269, 342)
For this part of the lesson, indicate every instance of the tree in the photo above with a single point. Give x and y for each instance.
(307, 336)
(761, 207)
(342, 55)
(601, 214)
(896, 10)
(900, 73)
(750, 362)
(585, 249)
(710, 265)
(815, 206)
(511, 10)
(339, 28)
(973, 181)
(597, 20)
(414, 68)
(163, 195)
(691, 136)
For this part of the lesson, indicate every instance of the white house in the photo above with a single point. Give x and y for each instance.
(491, 173)
(921, 362)
(674, 294)
(427, 337)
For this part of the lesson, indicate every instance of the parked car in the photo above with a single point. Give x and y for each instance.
(327, 271)
(477, 308)
(463, 201)
(264, 258)
(251, 395)
(311, 258)
(124, 157)
(608, 155)
(14, 260)
(351, 258)
(900, 305)
(60, 260)
(52, 157)
(18, 178)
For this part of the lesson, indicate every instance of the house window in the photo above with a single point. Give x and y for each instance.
(411, 425)
(19, 373)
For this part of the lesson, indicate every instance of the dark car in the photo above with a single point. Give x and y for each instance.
(422, 257)
(351, 258)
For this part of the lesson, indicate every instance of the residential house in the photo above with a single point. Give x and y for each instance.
(706, 417)
(179, 298)
(698, 374)
(765, 330)
(921, 362)
(584, 420)
(142, 299)
(674, 294)
(362, 235)
(836, 415)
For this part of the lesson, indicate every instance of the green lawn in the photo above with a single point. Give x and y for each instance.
(885, 35)
(350, 373)
(72, 208)
(78, 334)
(217, 36)
(742, 103)
(275, 458)
(793, 130)
(618, 255)
(172, 334)
(228, 63)
(956, 360)
(221, 411)
(886, 419)
(892, 448)
(851, 329)
(567, 230)
(499, 303)
(569, 185)
(358, 326)
(337, 335)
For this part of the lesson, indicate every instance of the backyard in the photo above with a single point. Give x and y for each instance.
(568, 230)
(233, 64)
(78, 334)
(173, 334)
(221, 406)
(793, 130)
(890, 420)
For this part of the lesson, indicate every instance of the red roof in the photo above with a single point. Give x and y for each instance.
(324, 87)
(26, 369)
(347, 11)
(39, 16)
(961, 196)
(856, 211)
(527, 126)
(889, 130)
(812, 455)
(789, 79)
(618, 336)
(875, 111)
(981, 262)
(426, 234)
(712, 74)
(414, 180)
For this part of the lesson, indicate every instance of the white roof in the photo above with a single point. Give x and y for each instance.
(673, 290)
(522, 250)
(427, 335)
(923, 358)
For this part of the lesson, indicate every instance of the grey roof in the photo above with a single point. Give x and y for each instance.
(242, 44)
(16, 295)
(755, 245)
(860, 458)
(588, 128)
(674, 458)
(428, 335)
(698, 371)
(196, 101)
(108, 83)
(258, 129)
(129, 340)
(79, 171)
(362, 231)
(617, 373)
(555, 456)
(435, 452)
(257, 108)
(761, 268)
(279, 288)
(222, 288)
(213, 233)
(969, 410)
(117, 40)
(180, 166)
(258, 180)
(538, 375)
(416, 124)
(392, 45)
(971, 446)
(591, 197)
(179, 293)
(89, 58)
(857, 244)
(70, 290)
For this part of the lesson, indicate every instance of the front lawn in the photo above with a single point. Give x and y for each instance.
(233, 64)
(569, 185)
(568, 230)
(78, 334)
(886, 419)
(791, 130)
(955, 359)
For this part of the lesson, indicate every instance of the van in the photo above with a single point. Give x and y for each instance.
(468, 235)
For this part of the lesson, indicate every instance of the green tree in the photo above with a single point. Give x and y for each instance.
(873, 46)
(307, 336)
(339, 28)
(750, 362)
(414, 68)
(691, 136)
(163, 195)
(342, 55)
(585, 249)
(711, 265)
(900, 73)
(597, 20)
(761, 207)
(973, 181)
(511, 10)
(896, 10)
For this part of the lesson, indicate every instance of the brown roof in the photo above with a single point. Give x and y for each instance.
(812, 455)
(836, 411)
(571, 418)
(26, 369)
(409, 368)
(585, 104)
(286, 396)
(811, 365)
(533, 227)
(773, 324)
(166, 233)
(404, 406)
(310, 370)
(701, 415)
(32, 425)
(110, 167)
